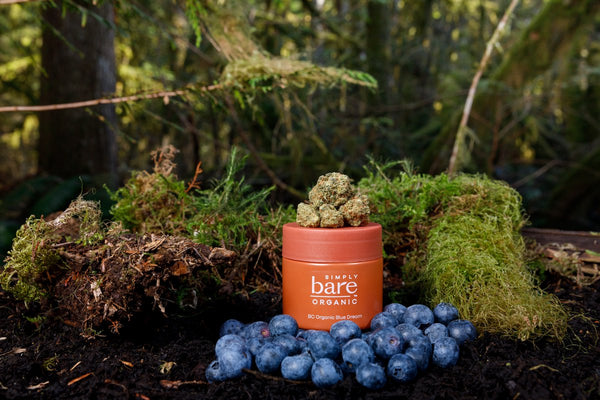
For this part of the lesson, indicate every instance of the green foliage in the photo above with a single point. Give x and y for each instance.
(267, 73)
(229, 214)
(194, 11)
(467, 251)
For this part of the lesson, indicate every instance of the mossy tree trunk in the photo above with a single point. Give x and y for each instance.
(79, 64)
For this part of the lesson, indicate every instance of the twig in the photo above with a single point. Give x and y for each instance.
(462, 127)
(536, 174)
(112, 100)
(194, 184)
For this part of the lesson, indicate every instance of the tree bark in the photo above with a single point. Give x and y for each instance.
(79, 63)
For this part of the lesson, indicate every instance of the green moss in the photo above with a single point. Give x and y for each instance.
(31, 255)
(464, 247)
(153, 202)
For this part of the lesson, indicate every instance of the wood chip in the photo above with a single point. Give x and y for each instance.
(126, 363)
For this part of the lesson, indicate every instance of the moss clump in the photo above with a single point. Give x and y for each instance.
(34, 257)
(30, 256)
(154, 202)
(465, 248)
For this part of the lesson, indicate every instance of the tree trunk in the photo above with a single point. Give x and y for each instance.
(79, 64)
(378, 47)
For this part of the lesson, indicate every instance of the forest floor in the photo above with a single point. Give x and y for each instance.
(154, 357)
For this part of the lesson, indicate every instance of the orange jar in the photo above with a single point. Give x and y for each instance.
(331, 275)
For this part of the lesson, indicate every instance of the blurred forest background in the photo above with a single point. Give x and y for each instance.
(291, 82)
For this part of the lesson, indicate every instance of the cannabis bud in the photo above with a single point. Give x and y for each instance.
(333, 203)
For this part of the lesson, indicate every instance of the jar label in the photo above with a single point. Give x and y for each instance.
(320, 294)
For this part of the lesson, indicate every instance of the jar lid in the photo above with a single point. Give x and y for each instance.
(348, 244)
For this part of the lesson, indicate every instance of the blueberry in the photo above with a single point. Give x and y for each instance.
(283, 324)
(371, 375)
(356, 352)
(322, 345)
(368, 336)
(420, 340)
(254, 344)
(421, 355)
(230, 342)
(397, 310)
(325, 373)
(231, 326)
(296, 367)
(436, 331)
(256, 329)
(445, 312)
(302, 344)
(214, 373)
(269, 357)
(387, 342)
(232, 362)
(408, 331)
(402, 368)
(462, 331)
(290, 344)
(304, 333)
(382, 320)
(418, 315)
(445, 352)
(342, 331)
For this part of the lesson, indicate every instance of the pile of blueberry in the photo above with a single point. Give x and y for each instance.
(401, 342)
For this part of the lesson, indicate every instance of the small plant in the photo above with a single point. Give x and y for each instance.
(229, 213)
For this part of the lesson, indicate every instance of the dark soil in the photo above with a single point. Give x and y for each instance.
(162, 358)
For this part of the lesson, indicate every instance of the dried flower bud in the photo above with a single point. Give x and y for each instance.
(356, 211)
(330, 217)
(332, 188)
(307, 216)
